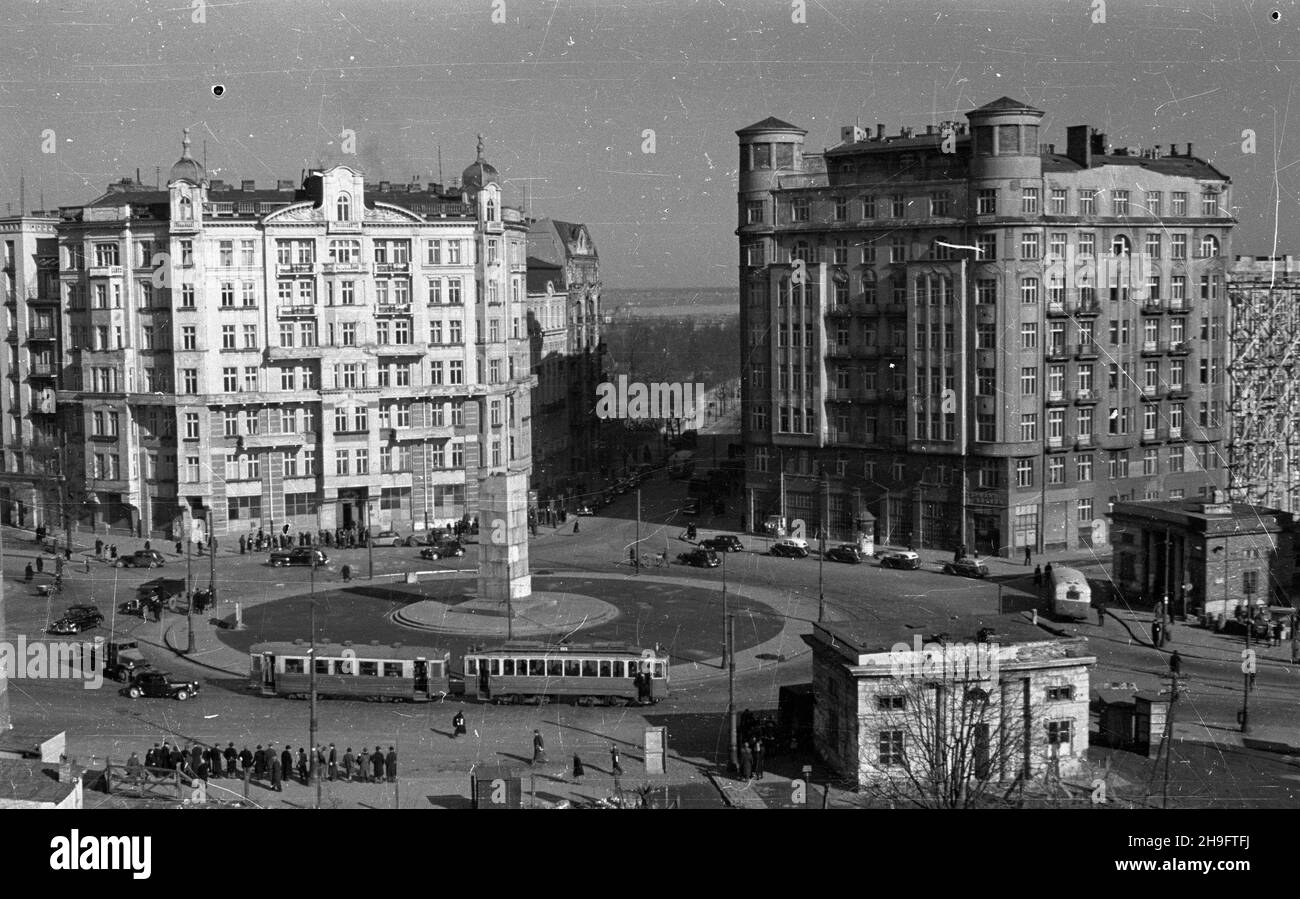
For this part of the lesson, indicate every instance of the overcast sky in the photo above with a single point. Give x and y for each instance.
(563, 91)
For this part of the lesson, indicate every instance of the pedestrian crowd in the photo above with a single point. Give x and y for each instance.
(264, 764)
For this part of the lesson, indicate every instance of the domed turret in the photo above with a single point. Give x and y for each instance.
(479, 172)
(187, 168)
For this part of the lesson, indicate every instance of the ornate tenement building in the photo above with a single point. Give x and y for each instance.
(316, 355)
(975, 338)
(565, 343)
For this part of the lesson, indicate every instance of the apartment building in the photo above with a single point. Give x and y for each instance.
(29, 335)
(564, 337)
(974, 338)
(317, 355)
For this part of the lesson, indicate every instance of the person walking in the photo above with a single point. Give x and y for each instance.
(746, 762)
(578, 770)
(390, 765)
(1027, 554)
(1277, 633)
(539, 749)
(458, 724)
(614, 761)
(277, 774)
(1101, 613)
(1155, 632)
(1047, 574)
(28, 573)
(576, 527)
(1038, 575)
(333, 763)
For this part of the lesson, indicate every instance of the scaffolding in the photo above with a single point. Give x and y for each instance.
(1264, 404)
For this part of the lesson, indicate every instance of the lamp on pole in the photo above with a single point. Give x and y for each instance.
(189, 589)
(726, 638)
(311, 726)
(821, 555)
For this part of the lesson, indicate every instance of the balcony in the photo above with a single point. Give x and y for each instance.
(839, 395)
(1087, 350)
(1153, 304)
(1056, 307)
(291, 311)
(1176, 433)
(1179, 392)
(1180, 307)
(1150, 391)
(866, 351)
(838, 351)
(342, 226)
(273, 353)
(1179, 348)
(1153, 347)
(1058, 396)
(43, 299)
(895, 309)
(1057, 351)
(42, 370)
(296, 268)
(46, 333)
(898, 396)
(840, 310)
(104, 271)
(868, 394)
(1056, 443)
(392, 268)
(270, 441)
(1083, 441)
(394, 309)
(1086, 309)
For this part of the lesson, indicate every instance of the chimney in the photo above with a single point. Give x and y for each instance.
(1189, 149)
(1051, 149)
(282, 184)
(248, 185)
(880, 131)
(929, 130)
(217, 185)
(385, 186)
(1077, 147)
(905, 132)
(1098, 141)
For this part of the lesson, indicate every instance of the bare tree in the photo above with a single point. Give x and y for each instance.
(945, 743)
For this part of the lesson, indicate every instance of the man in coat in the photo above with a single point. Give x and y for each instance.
(259, 763)
(151, 757)
(333, 763)
(348, 761)
(539, 748)
(232, 759)
(377, 765)
(319, 769)
(614, 761)
(758, 759)
(458, 725)
(302, 764)
(196, 756)
(390, 765)
(245, 761)
(286, 762)
(746, 761)
(277, 774)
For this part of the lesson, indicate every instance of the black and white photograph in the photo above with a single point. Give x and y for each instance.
(680, 405)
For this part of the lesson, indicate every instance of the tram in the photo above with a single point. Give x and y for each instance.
(585, 674)
(1071, 596)
(344, 671)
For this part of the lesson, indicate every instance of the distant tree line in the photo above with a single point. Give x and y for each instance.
(677, 350)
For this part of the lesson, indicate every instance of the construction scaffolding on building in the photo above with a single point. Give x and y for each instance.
(1264, 408)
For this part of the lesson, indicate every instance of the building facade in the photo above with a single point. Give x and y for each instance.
(30, 336)
(564, 321)
(317, 356)
(1264, 332)
(976, 338)
(1008, 702)
(1211, 559)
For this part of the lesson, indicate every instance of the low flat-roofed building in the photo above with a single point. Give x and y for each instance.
(31, 783)
(949, 706)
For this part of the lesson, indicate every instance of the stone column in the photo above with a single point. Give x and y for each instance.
(503, 538)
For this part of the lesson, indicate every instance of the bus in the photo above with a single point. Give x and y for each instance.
(1071, 596)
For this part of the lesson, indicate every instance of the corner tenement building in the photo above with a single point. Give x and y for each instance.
(317, 355)
(974, 337)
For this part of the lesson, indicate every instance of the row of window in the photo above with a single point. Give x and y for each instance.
(565, 667)
(302, 420)
(1089, 201)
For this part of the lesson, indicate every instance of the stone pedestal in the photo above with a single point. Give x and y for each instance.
(503, 538)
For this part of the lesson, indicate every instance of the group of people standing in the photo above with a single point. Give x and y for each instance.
(265, 764)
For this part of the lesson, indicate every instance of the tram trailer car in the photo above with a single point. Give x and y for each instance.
(585, 674)
(347, 671)
(1071, 595)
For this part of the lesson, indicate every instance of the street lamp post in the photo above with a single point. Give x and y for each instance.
(189, 591)
(311, 726)
(726, 638)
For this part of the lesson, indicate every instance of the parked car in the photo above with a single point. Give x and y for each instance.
(142, 558)
(724, 543)
(966, 568)
(431, 537)
(902, 558)
(299, 555)
(386, 538)
(846, 552)
(160, 683)
(790, 547)
(159, 591)
(700, 558)
(443, 550)
(585, 511)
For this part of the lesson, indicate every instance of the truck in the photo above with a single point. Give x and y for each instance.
(122, 659)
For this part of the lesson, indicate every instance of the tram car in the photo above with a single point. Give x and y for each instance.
(1071, 596)
(584, 674)
(344, 671)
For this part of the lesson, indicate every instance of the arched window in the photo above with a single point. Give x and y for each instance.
(186, 206)
(344, 208)
(1121, 246)
(1209, 246)
(491, 209)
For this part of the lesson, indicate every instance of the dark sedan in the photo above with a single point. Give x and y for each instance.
(966, 568)
(447, 549)
(700, 558)
(846, 552)
(724, 543)
(902, 558)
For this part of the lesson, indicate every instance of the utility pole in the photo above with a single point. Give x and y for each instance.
(726, 638)
(1247, 675)
(636, 547)
(189, 588)
(733, 760)
(821, 555)
(311, 766)
(1169, 732)
(212, 560)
